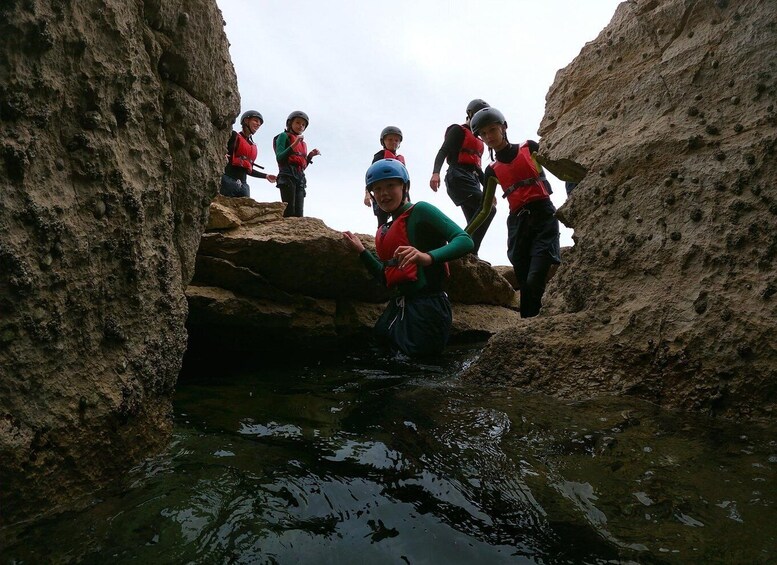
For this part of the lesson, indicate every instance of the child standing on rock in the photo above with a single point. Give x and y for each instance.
(390, 138)
(241, 155)
(463, 151)
(293, 158)
(412, 251)
(532, 228)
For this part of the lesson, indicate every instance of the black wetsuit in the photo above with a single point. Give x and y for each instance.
(463, 182)
(532, 240)
(291, 178)
(233, 181)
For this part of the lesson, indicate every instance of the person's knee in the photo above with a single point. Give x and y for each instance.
(535, 280)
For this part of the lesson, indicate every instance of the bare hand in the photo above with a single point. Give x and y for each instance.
(353, 241)
(314, 153)
(434, 182)
(300, 139)
(272, 178)
(406, 255)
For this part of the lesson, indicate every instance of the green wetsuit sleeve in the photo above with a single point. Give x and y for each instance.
(485, 210)
(459, 242)
(282, 147)
(373, 264)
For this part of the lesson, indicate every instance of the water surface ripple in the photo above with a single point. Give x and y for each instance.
(373, 460)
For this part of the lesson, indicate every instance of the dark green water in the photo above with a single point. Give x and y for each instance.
(379, 461)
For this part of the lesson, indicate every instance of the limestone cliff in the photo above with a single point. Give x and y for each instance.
(113, 117)
(265, 284)
(669, 291)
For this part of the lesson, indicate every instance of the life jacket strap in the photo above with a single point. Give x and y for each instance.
(520, 184)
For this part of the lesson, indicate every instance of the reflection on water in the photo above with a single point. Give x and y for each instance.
(381, 461)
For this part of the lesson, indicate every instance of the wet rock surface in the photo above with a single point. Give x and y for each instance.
(103, 108)
(267, 283)
(668, 293)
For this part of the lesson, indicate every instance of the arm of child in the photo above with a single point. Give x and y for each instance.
(485, 210)
(459, 242)
(282, 147)
(372, 263)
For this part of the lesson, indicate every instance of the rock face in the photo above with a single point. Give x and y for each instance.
(113, 117)
(265, 283)
(669, 291)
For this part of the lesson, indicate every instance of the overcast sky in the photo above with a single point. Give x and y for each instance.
(357, 66)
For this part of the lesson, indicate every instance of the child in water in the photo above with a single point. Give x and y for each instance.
(412, 251)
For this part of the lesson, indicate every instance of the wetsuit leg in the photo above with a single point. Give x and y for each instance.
(299, 201)
(533, 287)
(533, 247)
(418, 326)
(288, 190)
(233, 187)
(519, 250)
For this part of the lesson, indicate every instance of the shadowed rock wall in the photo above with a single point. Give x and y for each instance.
(114, 115)
(669, 291)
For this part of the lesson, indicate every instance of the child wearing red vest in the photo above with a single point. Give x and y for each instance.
(241, 155)
(532, 228)
(412, 251)
(390, 138)
(293, 158)
(463, 151)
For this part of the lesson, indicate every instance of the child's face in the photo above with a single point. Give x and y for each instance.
(391, 142)
(253, 123)
(298, 125)
(493, 135)
(389, 194)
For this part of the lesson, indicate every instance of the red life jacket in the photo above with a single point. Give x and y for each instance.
(520, 179)
(471, 149)
(387, 240)
(244, 153)
(299, 156)
(390, 155)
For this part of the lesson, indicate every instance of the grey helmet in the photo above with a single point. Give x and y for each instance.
(250, 114)
(475, 105)
(388, 130)
(298, 114)
(485, 117)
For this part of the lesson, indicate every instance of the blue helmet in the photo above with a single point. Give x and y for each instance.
(386, 169)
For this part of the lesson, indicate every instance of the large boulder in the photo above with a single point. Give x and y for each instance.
(264, 281)
(669, 292)
(113, 116)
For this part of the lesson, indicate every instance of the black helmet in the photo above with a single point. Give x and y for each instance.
(298, 114)
(388, 130)
(250, 114)
(485, 117)
(475, 105)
